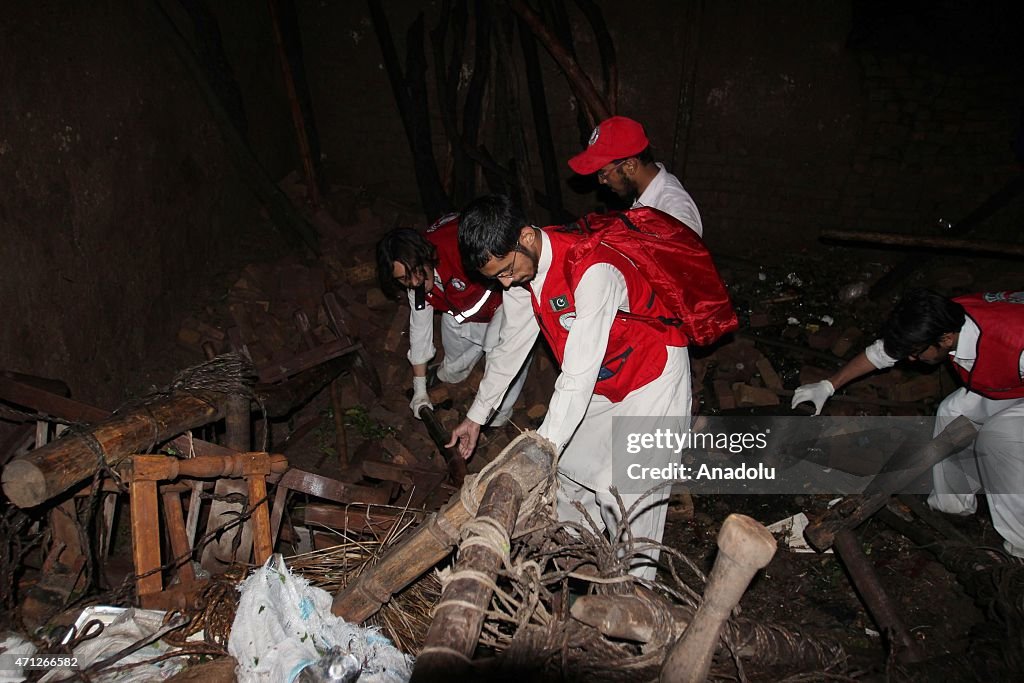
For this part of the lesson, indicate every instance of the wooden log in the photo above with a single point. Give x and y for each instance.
(926, 242)
(459, 616)
(854, 511)
(410, 91)
(651, 619)
(579, 82)
(744, 547)
(298, 119)
(881, 607)
(528, 459)
(441, 436)
(53, 469)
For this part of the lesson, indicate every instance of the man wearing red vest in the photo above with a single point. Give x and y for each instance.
(982, 335)
(612, 365)
(471, 311)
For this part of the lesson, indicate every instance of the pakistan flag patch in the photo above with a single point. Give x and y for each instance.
(559, 303)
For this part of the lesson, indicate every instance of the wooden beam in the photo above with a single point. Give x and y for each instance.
(46, 472)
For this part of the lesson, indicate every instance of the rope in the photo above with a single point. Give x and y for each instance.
(539, 500)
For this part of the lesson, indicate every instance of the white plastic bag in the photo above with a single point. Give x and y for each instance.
(283, 624)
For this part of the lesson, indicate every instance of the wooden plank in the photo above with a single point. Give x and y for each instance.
(256, 471)
(145, 536)
(180, 546)
(356, 519)
(48, 403)
(306, 360)
(332, 489)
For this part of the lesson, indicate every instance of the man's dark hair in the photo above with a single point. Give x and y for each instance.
(646, 156)
(408, 247)
(488, 228)
(919, 321)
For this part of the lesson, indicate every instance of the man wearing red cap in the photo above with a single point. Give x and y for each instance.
(620, 154)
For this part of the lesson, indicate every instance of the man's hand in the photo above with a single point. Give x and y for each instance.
(465, 435)
(419, 396)
(816, 393)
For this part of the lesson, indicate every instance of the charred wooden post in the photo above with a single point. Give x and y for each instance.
(871, 591)
(528, 459)
(55, 468)
(302, 126)
(440, 437)
(459, 616)
(835, 529)
(578, 80)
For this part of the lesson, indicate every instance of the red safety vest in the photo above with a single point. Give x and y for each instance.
(636, 353)
(465, 299)
(996, 370)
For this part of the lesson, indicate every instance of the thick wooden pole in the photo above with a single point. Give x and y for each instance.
(925, 242)
(528, 460)
(46, 472)
(301, 133)
(459, 616)
(579, 82)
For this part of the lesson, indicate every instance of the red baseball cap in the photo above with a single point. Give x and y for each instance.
(614, 138)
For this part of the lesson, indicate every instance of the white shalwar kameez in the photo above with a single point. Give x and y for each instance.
(578, 421)
(994, 462)
(464, 344)
(666, 193)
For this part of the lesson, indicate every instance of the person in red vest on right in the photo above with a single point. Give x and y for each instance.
(982, 335)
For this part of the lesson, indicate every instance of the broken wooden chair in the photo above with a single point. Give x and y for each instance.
(143, 474)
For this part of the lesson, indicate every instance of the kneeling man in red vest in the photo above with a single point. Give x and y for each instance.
(982, 336)
(606, 325)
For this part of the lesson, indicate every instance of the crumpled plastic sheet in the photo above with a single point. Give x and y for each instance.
(283, 624)
(126, 630)
(13, 645)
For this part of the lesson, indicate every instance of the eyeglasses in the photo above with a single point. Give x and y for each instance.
(508, 272)
(602, 175)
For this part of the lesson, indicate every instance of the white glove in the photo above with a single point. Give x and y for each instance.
(816, 393)
(419, 396)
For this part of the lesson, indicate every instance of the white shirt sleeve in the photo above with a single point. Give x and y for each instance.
(878, 357)
(600, 294)
(421, 332)
(519, 330)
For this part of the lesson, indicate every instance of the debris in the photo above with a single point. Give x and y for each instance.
(792, 531)
(283, 625)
